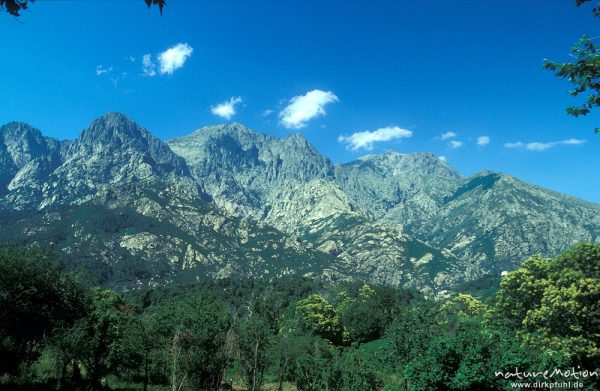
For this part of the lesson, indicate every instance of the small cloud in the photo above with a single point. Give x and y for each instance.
(448, 135)
(174, 58)
(303, 108)
(226, 109)
(573, 141)
(456, 144)
(515, 145)
(482, 141)
(442, 158)
(542, 146)
(131, 58)
(539, 146)
(366, 139)
(267, 113)
(100, 70)
(148, 66)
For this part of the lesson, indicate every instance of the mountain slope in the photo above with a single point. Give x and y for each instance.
(138, 236)
(244, 170)
(365, 249)
(402, 189)
(491, 222)
(134, 209)
(21, 144)
(496, 220)
(288, 184)
(112, 151)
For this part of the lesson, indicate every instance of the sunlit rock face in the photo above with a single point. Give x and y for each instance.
(226, 201)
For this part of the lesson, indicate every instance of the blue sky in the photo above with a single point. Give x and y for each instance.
(354, 77)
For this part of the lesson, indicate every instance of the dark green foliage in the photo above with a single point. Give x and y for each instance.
(364, 321)
(159, 3)
(596, 9)
(14, 7)
(255, 339)
(35, 298)
(366, 313)
(584, 72)
(343, 337)
(96, 340)
(192, 339)
(313, 368)
(356, 372)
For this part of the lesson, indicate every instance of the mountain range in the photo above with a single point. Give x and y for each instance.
(226, 201)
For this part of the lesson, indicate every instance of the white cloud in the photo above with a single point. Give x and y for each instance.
(100, 70)
(515, 145)
(573, 141)
(174, 58)
(442, 158)
(366, 139)
(542, 146)
(148, 66)
(226, 109)
(448, 135)
(455, 144)
(303, 108)
(535, 146)
(267, 113)
(482, 141)
(131, 58)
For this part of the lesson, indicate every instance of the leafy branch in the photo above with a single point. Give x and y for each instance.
(14, 7)
(584, 72)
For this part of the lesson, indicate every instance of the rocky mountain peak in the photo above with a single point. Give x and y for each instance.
(24, 143)
(21, 144)
(296, 138)
(15, 129)
(392, 163)
(114, 130)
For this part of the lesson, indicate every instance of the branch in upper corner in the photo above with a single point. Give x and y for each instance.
(160, 3)
(14, 7)
(596, 10)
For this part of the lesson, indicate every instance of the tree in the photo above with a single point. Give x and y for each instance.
(136, 346)
(363, 317)
(356, 372)
(316, 315)
(288, 349)
(14, 7)
(411, 331)
(255, 342)
(96, 340)
(554, 304)
(35, 299)
(584, 72)
(313, 368)
(198, 359)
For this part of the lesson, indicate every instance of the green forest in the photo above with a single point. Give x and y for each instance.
(59, 331)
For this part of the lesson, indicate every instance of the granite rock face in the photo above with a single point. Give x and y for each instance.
(226, 201)
(20, 144)
(245, 170)
(496, 220)
(140, 236)
(112, 151)
(490, 221)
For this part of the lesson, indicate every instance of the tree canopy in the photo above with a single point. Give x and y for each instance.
(14, 7)
(257, 335)
(583, 72)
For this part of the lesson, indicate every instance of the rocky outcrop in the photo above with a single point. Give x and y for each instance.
(228, 201)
